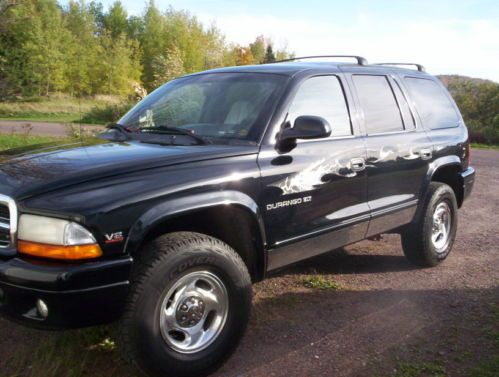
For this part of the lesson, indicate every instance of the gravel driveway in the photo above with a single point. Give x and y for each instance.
(386, 316)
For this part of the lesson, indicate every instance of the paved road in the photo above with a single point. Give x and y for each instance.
(386, 312)
(42, 128)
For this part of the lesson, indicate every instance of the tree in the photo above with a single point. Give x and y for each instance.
(167, 67)
(152, 42)
(269, 55)
(258, 49)
(118, 68)
(116, 20)
(243, 55)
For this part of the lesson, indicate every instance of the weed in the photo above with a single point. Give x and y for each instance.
(420, 370)
(320, 282)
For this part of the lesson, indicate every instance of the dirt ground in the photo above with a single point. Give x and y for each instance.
(376, 315)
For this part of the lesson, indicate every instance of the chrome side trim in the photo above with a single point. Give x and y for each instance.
(14, 216)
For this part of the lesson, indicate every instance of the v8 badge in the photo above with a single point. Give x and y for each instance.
(116, 237)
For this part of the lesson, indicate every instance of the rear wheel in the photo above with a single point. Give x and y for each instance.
(429, 240)
(189, 306)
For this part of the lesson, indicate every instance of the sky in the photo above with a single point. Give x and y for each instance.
(448, 37)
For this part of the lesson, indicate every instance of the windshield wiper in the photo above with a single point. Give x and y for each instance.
(175, 131)
(120, 128)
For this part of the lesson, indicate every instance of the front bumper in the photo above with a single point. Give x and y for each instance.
(76, 295)
(468, 180)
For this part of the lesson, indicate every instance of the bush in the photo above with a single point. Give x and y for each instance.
(107, 114)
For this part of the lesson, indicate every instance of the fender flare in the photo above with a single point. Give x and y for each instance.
(432, 169)
(171, 208)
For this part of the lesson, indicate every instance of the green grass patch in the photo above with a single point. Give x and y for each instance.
(420, 370)
(487, 368)
(56, 117)
(69, 353)
(485, 146)
(9, 141)
(320, 282)
(63, 109)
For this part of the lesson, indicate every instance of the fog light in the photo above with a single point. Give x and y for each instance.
(42, 309)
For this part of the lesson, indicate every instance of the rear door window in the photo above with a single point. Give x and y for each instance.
(378, 103)
(434, 106)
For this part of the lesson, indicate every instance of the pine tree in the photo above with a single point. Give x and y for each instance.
(269, 55)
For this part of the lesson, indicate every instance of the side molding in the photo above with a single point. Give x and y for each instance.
(190, 204)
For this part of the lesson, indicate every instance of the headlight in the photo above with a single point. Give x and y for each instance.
(55, 238)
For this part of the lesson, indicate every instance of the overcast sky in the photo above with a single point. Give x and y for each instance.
(446, 36)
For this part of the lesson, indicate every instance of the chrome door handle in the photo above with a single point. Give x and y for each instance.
(425, 154)
(357, 164)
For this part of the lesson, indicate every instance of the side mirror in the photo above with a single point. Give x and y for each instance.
(305, 127)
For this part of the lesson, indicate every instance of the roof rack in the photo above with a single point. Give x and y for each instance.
(360, 59)
(420, 67)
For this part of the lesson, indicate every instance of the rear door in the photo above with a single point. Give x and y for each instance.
(398, 150)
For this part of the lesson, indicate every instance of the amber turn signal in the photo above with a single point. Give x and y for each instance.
(41, 250)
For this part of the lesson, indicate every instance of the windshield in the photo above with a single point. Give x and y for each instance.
(215, 106)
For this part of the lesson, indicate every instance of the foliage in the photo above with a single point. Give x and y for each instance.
(107, 114)
(56, 108)
(478, 101)
(320, 282)
(420, 370)
(14, 141)
(81, 49)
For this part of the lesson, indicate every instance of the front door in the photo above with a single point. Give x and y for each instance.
(319, 187)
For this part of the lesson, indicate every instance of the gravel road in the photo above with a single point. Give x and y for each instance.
(386, 313)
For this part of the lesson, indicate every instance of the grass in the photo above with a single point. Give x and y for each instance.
(484, 146)
(419, 370)
(69, 353)
(59, 108)
(487, 368)
(14, 141)
(320, 282)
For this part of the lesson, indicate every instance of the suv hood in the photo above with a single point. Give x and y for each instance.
(29, 171)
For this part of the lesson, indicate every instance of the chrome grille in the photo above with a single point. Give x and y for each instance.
(8, 221)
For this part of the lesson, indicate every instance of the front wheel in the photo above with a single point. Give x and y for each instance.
(189, 306)
(428, 241)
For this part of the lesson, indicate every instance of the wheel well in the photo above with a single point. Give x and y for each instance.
(450, 175)
(231, 224)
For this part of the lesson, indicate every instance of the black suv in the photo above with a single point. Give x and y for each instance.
(214, 180)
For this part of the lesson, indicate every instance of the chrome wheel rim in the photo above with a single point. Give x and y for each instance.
(194, 312)
(441, 227)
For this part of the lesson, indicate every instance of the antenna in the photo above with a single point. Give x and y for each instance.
(360, 59)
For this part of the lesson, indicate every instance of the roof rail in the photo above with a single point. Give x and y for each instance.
(360, 59)
(420, 67)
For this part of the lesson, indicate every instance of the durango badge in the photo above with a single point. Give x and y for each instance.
(287, 203)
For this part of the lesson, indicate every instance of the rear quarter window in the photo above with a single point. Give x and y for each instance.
(433, 104)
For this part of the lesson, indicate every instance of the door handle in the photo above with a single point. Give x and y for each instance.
(425, 154)
(357, 164)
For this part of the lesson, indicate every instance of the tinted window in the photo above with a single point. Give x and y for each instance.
(323, 96)
(434, 106)
(220, 106)
(381, 113)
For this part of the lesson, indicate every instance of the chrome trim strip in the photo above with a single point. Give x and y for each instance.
(14, 216)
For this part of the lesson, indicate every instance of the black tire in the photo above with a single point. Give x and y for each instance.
(162, 263)
(417, 237)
